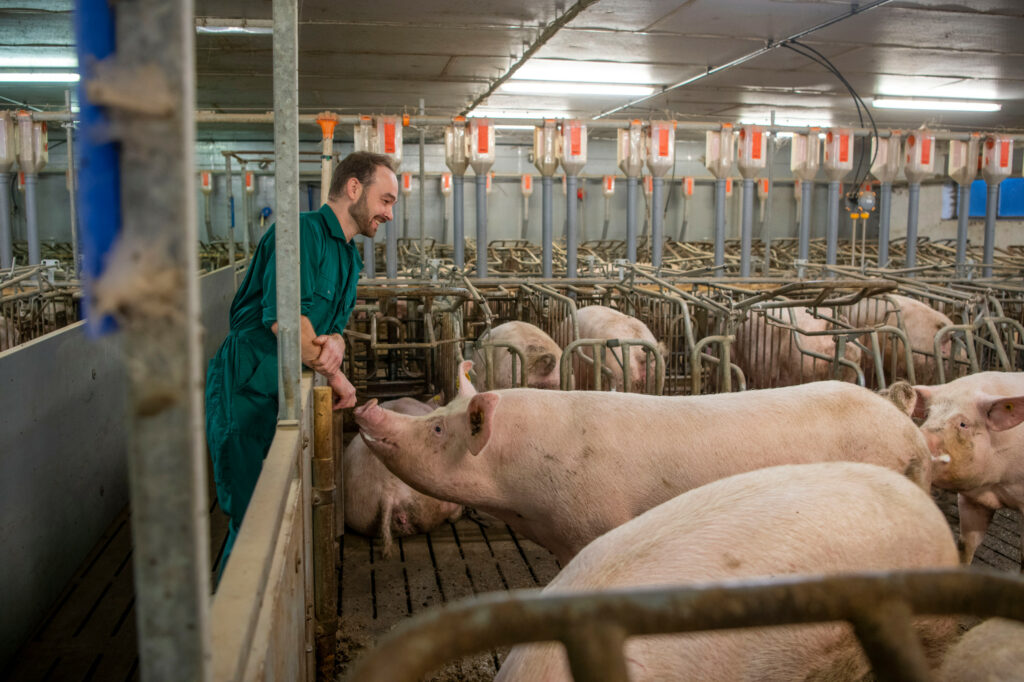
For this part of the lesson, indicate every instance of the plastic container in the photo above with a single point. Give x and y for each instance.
(764, 188)
(456, 148)
(997, 158)
(686, 187)
(481, 145)
(608, 186)
(406, 184)
(720, 151)
(364, 138)
(888, 155)
(661, 147)
(205, 182)
(838, 160)
(964, 159)
(8, 143)
(526, 184)
(805, 153)
(250, 182)
(630, 149)
(446, 184)
(389, 138)
(572, 147)
(32, 147)
(919, 156)
(753, 151)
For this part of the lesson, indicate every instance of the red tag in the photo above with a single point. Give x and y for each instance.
(728, 185)
(407, 181)
(663, 142)
(1004, 154)
(609, 183)
(764, 185)
(389, 138)
(756, 152)
(926, 151)
(688, 183)
(482, 144)
(248, 178)
(574, 140)
(844, 148)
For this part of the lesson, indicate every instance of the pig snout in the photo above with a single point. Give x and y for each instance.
(371, 419)
(935, 447)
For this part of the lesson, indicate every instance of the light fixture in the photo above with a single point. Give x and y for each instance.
(38, 62)
(584, 72)
(222, 26)
(511, 126)
(524, 87)
(38, 77)
(491, 112)
(935, 104)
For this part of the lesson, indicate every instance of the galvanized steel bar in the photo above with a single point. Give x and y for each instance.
(6, 253)
(747, 226)
(571, 225)
(657, 221)
(31, 218)
(425, 642)
(720, 227)
(458, 224)
(72, 189)
(804, 236)
(546, 229)
(286, 191)
(230, 212)
(963, 195)
(423, 198)
(913, 203)
(991, 208)
(391, 245)
(156, 244)
(481, 225)
(832, 230)
(369, 258)
(632, 184)
(884, 219)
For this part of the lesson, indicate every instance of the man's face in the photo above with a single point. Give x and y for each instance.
(375, 201)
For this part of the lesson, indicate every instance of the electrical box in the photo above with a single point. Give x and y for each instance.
(630, 149)
(720, 151)
(753, 152)
(573, 146)
(919, 159)
(661, 147)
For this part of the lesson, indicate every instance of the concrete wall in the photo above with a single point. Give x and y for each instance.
(63, 469)
(505, 203)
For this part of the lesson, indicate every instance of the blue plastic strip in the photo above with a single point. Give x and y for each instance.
(1011, 198)
(231, 210)
(98, 163)
(978, 201)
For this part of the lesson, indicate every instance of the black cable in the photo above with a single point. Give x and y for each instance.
(858, 101)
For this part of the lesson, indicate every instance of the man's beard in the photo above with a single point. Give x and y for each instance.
(361, 214)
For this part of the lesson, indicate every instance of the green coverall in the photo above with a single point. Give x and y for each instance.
(241, 381)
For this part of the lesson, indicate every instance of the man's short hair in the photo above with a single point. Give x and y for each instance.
(359, 165)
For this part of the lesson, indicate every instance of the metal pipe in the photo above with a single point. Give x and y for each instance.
(161, 347)
(963, 195)
(746, 226)
(369, 258)
(657, 221)
(231, 216)
(207, 217)
(607, 217)
(246, 244)
(913, 201)
(524, 232)
(481, 225)
(286, 190)
(804, 237)
(31, 218)
(884, 219)
(631, 189)
(326, 165)
(546, 237)
(991, 206)
(458, 227)
(832, 231)
(720, 227)
(423, 205)
(570, 225)
(325, 603)
(391, 246)
(72, 187)
(6, 254)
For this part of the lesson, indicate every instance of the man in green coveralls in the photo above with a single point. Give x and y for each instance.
(241, 382)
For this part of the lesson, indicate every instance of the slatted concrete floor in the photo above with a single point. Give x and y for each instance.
(90, 633)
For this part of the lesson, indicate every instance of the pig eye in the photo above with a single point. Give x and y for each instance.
(437, 429)
(963, 425)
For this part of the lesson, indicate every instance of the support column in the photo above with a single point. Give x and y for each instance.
(884, 220)
(481, 225)
(547, 235)
(631, 188)
(963, 194)
(747, 226)
(69, 128)
(806, 196)
(657, 221)
(832, 233)
(229, 194)
(571, 226)
(31, 218)
(913, 202)
(458, 224)
(6, 253)
(720, 227)
(991, 207)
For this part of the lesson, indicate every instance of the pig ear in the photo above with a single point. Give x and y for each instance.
(481, 416)
(1004, 413)
(918, 409)
(543, 364)
(902, 395)
(466, 388)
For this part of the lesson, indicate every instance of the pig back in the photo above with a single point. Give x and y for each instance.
(540, 351)
(602, 322)
(786, 520)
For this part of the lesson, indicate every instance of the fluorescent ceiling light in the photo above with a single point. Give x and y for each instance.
(564, 88)
(584, 72)
(935, 104)
(222, 26)
(487, 112)
(235, 30)
(39, 62)
(502, 126)
(38, 77)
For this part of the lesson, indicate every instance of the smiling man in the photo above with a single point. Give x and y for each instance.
(241, 382)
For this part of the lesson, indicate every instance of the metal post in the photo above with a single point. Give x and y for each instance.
(481, 225)
(570, 226)
(231, 219)
(156, 244)
(546, 237)
(631, 187)
(657, 221)
(207, 217)
(913, 200)
(803, 248)
(526, 218)
(32, 218)
(422, 191)
(963, 195)
(286, 190)
(325, 579)
(720, 227)
(607, 217)
(884, 216)
(405, 216)
(246, 244)
(5, 220)
(746, 226)
(369, 258)
(832, 235)
(991, 207)
(72, 186)
(326, 164)
(458, 227)
(391, 245)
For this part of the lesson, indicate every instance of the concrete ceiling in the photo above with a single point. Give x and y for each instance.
(383, 56)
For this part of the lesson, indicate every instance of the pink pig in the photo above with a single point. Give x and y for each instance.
(786, 520)
(377, 502)
(563, 467)
(601, 322)
(540, 350)
(972, 427)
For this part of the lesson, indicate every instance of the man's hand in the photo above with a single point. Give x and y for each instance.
(332, 352)
(344, 391)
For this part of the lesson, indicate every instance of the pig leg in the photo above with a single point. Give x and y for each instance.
(974, 520)
(385, 527)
